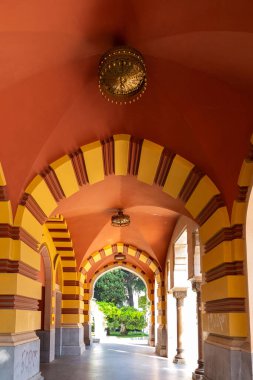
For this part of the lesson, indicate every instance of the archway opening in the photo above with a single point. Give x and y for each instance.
(122, 297)
(181, 301)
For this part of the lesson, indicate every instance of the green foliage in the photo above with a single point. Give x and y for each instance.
(110, 288)
(143, 303)
(126, 318)
(118, 286)
(111, 313)
(132, 319)
(129, 334)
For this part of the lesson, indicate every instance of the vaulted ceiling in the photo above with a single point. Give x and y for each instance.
(198, 103)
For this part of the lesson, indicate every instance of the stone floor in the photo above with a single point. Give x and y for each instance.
(112, 361)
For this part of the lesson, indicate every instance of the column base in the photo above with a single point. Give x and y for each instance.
(178, 360)
(72, 341)
(22, 360)
(227, 363)
(161, 347)
(37, 377)
(151, 342)
(196, 376)
(47, 345)
(87, 334)
(58, 341)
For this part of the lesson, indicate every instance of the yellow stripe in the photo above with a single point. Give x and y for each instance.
(177, 175)
(26, 220)
(6, 212)
(93, 159)
(17, 321)
(214, 224)
(64, 171)
(149, 160)
(246, 174)
(17, 284)
(200, 197)
(42, 195)
(72, 319)
(226, 324)
(225, 287)
(121, 151)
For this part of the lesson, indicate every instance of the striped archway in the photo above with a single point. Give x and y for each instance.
(240, 248)
(140, 256)
(152, 164)
(72, 291)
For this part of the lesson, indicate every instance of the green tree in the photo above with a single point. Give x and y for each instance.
(118, 287)
(111, 288)
(132, 283)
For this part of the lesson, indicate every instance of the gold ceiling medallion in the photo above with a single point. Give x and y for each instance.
(122, 75)
(120, 219)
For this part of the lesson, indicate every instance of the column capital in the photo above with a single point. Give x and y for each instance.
(180, 294)
(196, 286)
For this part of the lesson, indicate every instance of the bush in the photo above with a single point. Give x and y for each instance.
(126, 318)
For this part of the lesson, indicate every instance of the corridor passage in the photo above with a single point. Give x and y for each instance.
(112, 361)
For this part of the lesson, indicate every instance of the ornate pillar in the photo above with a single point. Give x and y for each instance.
(199, 372)
(179, 295)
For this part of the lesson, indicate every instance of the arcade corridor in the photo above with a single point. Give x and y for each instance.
(126, 142)
(110, 361)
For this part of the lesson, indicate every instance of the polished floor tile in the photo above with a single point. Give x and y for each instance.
(111, 361)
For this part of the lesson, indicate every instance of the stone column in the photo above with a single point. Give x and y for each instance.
(179, 295)
(20, 356)
(72, 340)
(87, 333)
(198, 374)
(152, 320)
(151, 341)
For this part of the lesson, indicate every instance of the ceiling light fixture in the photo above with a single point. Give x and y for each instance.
(120, 219)
(122, 75)
(119, 256)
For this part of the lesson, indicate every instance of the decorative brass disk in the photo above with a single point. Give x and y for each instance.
(122, 75)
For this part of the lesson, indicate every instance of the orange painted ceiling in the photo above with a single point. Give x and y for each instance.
(199, 58)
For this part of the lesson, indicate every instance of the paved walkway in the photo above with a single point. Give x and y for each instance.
(113, 361)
